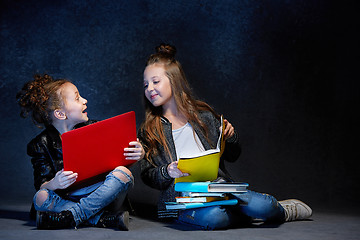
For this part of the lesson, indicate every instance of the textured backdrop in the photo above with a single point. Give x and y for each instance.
(281, 71)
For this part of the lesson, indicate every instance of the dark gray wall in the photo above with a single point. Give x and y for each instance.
(283, 72)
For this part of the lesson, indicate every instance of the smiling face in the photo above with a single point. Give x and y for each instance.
(74, 105)
(157, 86)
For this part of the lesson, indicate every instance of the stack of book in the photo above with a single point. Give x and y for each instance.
(205, 194)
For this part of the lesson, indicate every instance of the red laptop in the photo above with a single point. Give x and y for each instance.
(93, 151)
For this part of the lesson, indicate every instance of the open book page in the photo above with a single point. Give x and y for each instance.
(203, 166)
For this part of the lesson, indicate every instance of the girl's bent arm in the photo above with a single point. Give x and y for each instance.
(43, 169)
(155, 177)
(232, 148)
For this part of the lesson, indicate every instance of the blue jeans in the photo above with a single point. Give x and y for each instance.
(252, 205)
(89, 208)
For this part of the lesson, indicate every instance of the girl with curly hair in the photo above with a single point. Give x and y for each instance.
(58, 106)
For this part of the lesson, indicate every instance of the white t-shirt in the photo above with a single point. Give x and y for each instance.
(185, 143)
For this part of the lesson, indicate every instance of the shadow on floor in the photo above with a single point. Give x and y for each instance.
(149, 212)
(143, 210)
(17, 215)
(184, 227)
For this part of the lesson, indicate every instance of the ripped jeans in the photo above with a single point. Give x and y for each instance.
(89, 208)
(252, 205)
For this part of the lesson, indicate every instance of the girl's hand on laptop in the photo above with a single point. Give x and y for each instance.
(63, 179)
(135, 151)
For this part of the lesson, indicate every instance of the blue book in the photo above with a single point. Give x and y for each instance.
(179, 206)
(230, 187)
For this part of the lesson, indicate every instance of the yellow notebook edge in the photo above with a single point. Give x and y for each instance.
(222, 139)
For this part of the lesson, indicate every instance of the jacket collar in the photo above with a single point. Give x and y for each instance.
(54, 136)
(164, 120)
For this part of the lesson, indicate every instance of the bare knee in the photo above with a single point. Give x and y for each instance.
(121, 175)
(41, 197)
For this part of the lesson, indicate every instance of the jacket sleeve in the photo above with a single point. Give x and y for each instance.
(154, 175)
(232, 148)
(41, 163)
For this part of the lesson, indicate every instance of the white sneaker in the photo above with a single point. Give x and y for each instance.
(295, 210)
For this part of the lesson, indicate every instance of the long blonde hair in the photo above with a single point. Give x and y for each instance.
(186, 103)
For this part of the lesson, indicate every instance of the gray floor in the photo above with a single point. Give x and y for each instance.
(324, 225)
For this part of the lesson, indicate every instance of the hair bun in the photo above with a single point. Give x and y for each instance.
(33, 97)
(166, 49)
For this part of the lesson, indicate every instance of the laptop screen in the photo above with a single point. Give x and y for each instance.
(96, 149)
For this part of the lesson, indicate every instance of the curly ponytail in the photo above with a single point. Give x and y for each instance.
(40, 97)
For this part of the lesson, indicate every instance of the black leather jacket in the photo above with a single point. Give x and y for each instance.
(45, 151)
